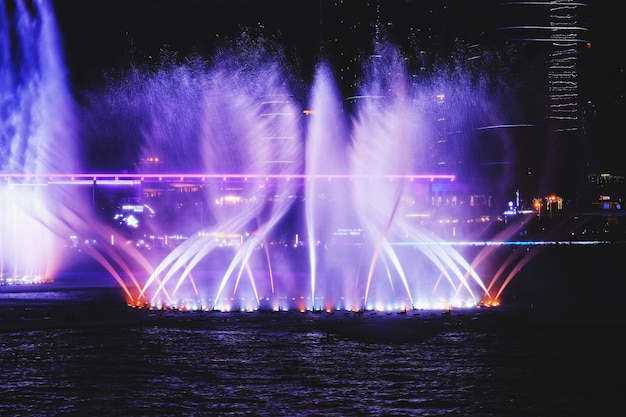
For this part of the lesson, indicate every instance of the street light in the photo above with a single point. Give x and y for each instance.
(538, 203)
(551, 199)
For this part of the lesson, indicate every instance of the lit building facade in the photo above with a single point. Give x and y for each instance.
(605, 192)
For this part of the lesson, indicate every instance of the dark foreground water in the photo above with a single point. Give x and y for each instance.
(82, 352)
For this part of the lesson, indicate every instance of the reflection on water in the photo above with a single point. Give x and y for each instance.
(103, 359)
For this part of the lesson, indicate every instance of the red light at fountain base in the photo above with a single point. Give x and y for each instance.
(489, 303)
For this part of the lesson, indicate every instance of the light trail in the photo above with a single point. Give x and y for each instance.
(90, 178)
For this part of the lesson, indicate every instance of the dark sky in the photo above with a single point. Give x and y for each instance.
(97, 35)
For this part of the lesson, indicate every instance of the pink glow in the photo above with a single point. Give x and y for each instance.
(90, 178)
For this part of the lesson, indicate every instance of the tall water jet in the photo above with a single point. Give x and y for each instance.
(328, 183)
(362, 194)
(37, 138)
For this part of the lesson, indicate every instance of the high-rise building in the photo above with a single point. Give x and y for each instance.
(556, 32)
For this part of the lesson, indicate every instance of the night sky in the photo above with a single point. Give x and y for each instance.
(98, 37)
(100, 31)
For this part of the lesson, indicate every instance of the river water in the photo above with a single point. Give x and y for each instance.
(84, 352)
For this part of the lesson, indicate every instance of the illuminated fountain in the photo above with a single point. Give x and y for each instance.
(391, 271)
(308, 210)
(41, 210)
(36, 136)
(346, 187)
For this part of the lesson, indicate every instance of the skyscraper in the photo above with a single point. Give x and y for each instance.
(558, 31)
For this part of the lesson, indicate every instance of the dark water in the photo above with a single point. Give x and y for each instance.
(83, 352)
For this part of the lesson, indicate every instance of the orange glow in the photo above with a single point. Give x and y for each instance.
(490, 303)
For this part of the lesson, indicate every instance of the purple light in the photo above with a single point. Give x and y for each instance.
(91, 178)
